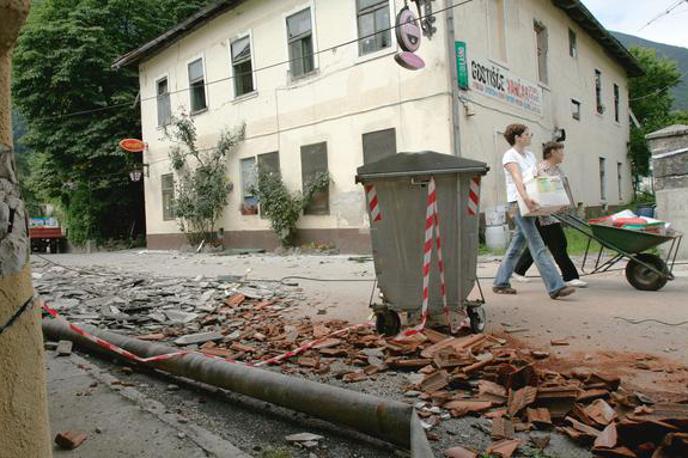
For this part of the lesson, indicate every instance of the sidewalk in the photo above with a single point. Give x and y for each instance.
(119, 420)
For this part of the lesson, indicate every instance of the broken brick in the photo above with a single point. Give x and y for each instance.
(220, 352)
(435, 381)
(409, 363)
(152, 337)
(600, 412)
(477, 366)
(333, 352)
(490, 391)
(608, 438)
(235, 300)
(559, 343)
(434, 336)
(353, 377)
(520, 399)
(69, 440)
(463, 407)
(307, 362)
(236, 346)
(460, 452)
(327, 343)
(502, 428)
(590, 395)
(539, 416)
(504, 448)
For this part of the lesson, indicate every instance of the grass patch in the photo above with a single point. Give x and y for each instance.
(281, 452)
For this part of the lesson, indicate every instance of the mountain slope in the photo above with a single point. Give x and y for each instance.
(680, 55)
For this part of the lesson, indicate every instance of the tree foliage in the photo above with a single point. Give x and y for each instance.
(650, 101)
(202, 183)
(62, 67)
(284, 208)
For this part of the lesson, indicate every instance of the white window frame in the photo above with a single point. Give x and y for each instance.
(505, 62)
(237, 37)
(205, 84)
(155, 91)
(314, 36)
(575, 43)
(538, 77)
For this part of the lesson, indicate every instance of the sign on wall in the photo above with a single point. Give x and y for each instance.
(408, 36)
(494, 81)
(461, 64)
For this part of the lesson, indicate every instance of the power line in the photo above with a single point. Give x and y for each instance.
(260, 69)
(666, 12)
(660, 90)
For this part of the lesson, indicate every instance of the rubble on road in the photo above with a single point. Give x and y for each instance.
(69, 440)
(448, 377)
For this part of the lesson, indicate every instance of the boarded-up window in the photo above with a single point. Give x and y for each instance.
(378, 145)
(249, 202)
(163, 100)
(314, 162)
(603, 179)
(616, 102)
(268, 163)
(598, 91)
(167, 186)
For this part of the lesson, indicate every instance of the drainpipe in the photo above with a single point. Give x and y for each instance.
(453, 80)
(24, 427)
(392, 421)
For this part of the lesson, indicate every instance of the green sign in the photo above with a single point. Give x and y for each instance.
(461, 64)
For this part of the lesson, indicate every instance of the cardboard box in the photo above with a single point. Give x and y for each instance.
(549, 192)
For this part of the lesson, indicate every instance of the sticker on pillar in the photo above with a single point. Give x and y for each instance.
(373, 203)
(474, 196)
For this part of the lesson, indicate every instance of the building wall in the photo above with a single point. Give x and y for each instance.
(587, 139)
(351, 95)
(348, 96)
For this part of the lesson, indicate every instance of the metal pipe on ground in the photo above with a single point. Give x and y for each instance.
(392, 421)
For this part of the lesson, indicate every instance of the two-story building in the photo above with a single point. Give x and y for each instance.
(318, 87)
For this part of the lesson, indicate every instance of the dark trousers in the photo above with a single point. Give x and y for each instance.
(555, 239)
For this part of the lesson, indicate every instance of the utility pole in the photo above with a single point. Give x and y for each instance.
(24, 430)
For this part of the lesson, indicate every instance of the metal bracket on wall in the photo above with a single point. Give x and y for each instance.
(427, 19)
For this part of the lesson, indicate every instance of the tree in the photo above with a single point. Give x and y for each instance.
(202, 183)
(63, 66)
(650, 101)
(282, 207)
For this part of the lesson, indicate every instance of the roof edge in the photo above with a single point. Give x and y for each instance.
(176, 33)
(584, 18)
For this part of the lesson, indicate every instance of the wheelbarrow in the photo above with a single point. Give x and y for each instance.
(644, 271)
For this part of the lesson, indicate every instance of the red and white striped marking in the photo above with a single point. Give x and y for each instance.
(432, 228)
(132, 357)
(474, 196)
(373, 203)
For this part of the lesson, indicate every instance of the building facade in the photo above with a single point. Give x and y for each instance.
(317, 86)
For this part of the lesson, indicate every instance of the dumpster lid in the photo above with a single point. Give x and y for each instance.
(419, 163)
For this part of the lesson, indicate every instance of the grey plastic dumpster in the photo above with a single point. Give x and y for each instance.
(400, 183)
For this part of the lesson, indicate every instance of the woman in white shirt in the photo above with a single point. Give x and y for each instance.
(519, 166)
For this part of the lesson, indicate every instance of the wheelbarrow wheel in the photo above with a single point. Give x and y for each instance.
(644, 279)
(387, 322)
(478, 319)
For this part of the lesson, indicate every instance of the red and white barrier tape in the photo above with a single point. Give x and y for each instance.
(474, 196)
(153, 359)
(432, 227)
(373, 203)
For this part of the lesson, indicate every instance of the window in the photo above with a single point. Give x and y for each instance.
(616, 102)
(573, 44)
(541, 40)
(497, 29)
(300, 40)
(269, 162)
(163, 98)
(167, 186)
(598, 91)
(197, 86)
(619, 179)
(314, 162)
(373, 25)
(603, 179)
(378, 145)
(249, 202)
(575, 109)
(242, 68)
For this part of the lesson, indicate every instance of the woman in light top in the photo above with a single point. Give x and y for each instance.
(519, 166)
(549, 227)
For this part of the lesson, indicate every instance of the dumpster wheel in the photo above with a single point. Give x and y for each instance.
(478, 319)
(387, 322)
(644, 279)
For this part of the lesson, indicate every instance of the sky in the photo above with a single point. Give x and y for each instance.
(631, 17)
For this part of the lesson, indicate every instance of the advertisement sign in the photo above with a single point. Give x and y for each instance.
(494, 81)
(461, 64)
(408, 36)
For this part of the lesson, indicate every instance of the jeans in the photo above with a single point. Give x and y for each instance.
(555, 239)
(527, 233)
